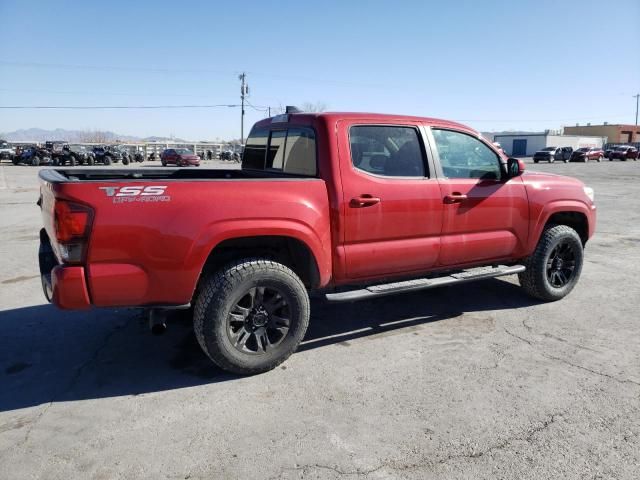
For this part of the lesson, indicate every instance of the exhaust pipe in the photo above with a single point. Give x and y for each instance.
(157, 321)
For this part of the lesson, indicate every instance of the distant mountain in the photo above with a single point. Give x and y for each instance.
(98, 136)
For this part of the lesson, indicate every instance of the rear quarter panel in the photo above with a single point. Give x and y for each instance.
(151, 251)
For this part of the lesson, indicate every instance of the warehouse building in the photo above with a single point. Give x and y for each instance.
(525, 145)
(614, 133)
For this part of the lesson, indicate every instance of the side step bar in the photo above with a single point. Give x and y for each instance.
(468, 275)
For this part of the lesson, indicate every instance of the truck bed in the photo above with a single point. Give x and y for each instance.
(63, 175)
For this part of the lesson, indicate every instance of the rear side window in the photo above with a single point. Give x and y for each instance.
(290, 151)
(275, 154)
(300, 152)
(386, 150)
(255, 150)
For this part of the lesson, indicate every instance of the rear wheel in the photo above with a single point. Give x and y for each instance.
(555, 266)
(107, 160)
(251, 315)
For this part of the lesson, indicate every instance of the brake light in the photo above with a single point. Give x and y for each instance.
(72, 224)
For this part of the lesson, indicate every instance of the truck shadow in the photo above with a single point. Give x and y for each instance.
(48, 355)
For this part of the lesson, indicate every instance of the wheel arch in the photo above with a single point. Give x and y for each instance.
(570, 213)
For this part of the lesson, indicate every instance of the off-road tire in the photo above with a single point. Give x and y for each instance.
(534, 279)
(221, 290)
(35, 161)
(107, 160)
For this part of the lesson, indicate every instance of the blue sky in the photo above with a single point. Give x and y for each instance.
(490, 64)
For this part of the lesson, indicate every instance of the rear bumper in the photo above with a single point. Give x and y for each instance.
(68, 288)
(63, 285)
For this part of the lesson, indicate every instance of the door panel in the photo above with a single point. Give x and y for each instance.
(485, 216)
(490, 223)
(392, 223)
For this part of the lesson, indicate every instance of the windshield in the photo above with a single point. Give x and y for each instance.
(549, 149)
(621, 149)
(183, 151)
(583, 150)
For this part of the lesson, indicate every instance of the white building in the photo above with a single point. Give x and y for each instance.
(525, 145)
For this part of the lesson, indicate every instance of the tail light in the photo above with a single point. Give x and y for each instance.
(72, 224)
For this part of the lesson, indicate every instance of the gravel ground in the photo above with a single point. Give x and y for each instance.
(472, 381)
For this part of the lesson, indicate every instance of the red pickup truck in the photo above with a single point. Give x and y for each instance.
(354, 205)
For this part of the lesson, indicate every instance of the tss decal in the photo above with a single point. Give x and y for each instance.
(137, 193)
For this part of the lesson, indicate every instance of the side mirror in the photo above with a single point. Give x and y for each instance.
(515, 167)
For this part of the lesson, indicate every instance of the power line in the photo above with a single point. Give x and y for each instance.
(109, 107)
(101, 93)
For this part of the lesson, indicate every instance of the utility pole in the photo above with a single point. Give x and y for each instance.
(269, 112)
(637, 96)
(244, 91)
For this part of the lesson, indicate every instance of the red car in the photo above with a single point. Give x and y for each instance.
(624, 152)
(587, 153)
(181, 157)
(351, 205)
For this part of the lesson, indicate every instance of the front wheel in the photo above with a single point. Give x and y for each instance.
(555, 266)
(599, 159)
(251, 315)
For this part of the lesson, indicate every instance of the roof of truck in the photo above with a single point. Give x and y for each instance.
(383, 117)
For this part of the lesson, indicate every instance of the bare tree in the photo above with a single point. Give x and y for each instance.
(93, 136)
(314, 107)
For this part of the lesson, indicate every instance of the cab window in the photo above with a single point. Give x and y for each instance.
(385, 150)
(463, 156)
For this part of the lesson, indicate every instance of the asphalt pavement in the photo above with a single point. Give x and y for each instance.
(472, 381)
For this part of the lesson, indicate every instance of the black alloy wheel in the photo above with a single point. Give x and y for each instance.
(561, 265)
(259, 321)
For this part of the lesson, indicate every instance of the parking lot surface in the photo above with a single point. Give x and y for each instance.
(471, 381)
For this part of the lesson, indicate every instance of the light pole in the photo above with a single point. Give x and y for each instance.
(637, 96)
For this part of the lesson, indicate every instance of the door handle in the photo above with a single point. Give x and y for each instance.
(454, 197)
(363, 201)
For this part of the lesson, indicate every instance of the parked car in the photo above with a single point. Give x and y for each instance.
(624, 153)
(181, 157)
(226, 155)
(106, 155)
(125, 154)
(344, 211)
(551, 154)
(138, 156)
(7, 152)
(33, 155)
(587, 153)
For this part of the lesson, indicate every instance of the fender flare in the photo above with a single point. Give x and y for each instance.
(218, 232)
(557, 206)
